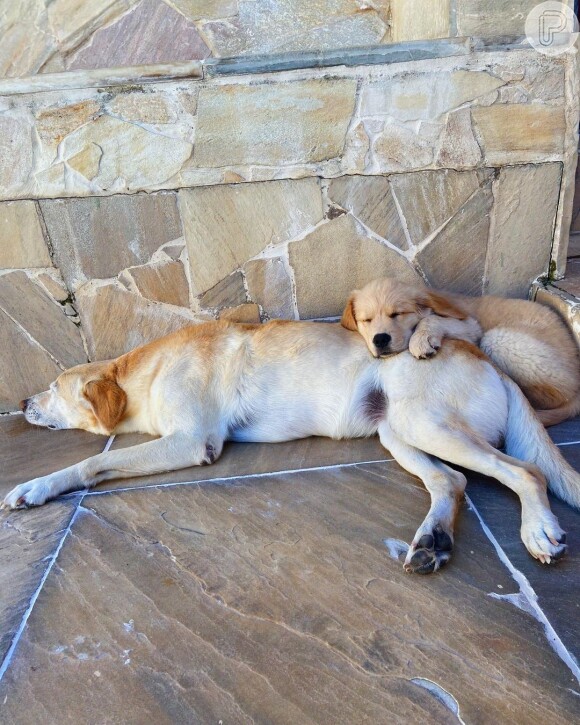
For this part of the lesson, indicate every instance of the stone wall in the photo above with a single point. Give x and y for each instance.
(130, 209)
(40, 37)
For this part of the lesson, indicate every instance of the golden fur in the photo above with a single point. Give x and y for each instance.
(220, 381)
(527, 341)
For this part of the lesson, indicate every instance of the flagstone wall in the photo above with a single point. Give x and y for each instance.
(130, 207)
(40, 36)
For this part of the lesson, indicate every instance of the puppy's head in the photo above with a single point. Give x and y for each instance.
(385, 312)
(86, 397)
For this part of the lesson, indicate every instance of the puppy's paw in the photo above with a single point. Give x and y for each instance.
(423, 345)
(429, 551)
(31, 493)
(545, 540)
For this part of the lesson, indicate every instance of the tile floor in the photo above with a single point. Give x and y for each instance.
(261, 589)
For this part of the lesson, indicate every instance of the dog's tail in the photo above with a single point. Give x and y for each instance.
(527, 439)
(563, 412)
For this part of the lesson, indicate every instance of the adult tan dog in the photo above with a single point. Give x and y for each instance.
(527, 341)
(221, 381)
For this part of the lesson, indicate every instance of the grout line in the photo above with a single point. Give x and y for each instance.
(222, 479)
(28, 612)
(16, 639)
(528, 592)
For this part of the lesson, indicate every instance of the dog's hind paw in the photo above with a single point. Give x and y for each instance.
(430, 552)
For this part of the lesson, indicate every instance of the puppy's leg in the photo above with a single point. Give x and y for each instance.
(431, 331)
(174, 451)
(540, 530)
(432, 544)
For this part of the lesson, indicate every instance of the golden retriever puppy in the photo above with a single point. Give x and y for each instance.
(527, 341)
(220, 381)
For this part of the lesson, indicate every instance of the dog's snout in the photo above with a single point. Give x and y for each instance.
(24, 404)
(382, 341)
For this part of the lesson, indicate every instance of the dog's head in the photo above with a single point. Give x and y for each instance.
(385, 312)
(86, 396)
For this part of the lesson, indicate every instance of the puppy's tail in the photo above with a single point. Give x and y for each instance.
(527, 439)
(563, 412)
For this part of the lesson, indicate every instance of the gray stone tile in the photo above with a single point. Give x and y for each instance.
(28, 538)
(526, 199)
(227, 225)
(558, 586)
(336, 258)
(455, 258)
(565, 432)
(244, 459)
(32, 309)
(275, 600)
(370, 199)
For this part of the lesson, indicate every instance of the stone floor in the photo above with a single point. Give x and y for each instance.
(267, 588)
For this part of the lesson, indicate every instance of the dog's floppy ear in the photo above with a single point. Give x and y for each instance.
(108, 401)
(348, 319)
(442, 305)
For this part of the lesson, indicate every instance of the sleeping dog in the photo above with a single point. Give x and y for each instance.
(220, 381)
(527, 341)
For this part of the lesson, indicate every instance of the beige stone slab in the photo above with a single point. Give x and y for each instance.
(519, 133)
(458, 145)
(248, 312)
(273, 124)
(526, 200)
(430, 198)
(419, 19)
(22, 242)
(133, 157)
(28, 538)
(159, 281)
(245, 459)
(206, 9)
(224, 226)
(336, 258)
(269, 285)
(370, 200)
(115, 321)
(300, 25)
(275, 600)
(455, 258)
(16, 153)
(422, 94)
(504, 17)
(43, 319)
(129, 228)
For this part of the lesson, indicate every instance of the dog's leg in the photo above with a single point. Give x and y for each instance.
(432, 544)
(432, 330)
(174, 451)
(540, 530)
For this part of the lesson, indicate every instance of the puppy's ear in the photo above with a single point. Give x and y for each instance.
(108, 401)
(442, 305)
(348, 319)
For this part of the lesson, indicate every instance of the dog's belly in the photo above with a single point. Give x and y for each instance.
(354, 413)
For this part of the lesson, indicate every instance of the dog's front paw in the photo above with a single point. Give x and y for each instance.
(31, 493)
(423, 345)
(430, 550)
(545, 540)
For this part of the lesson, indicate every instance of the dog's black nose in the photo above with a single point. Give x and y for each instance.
(23, 405)
(381, 341)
